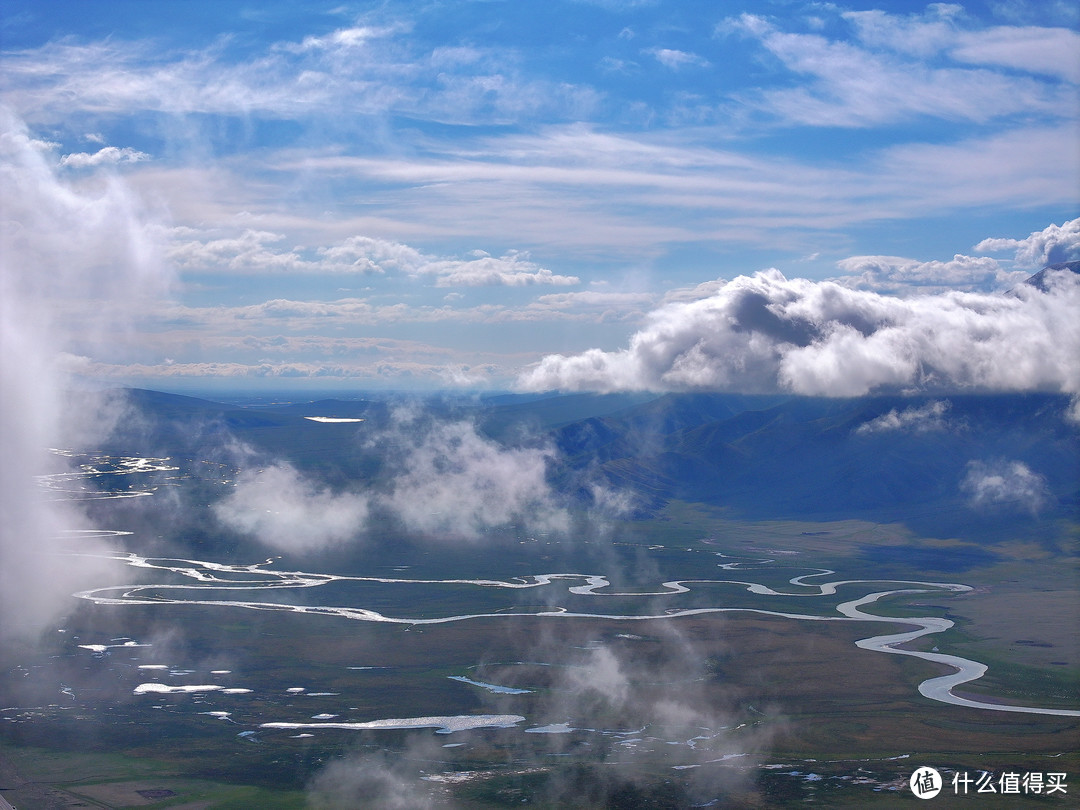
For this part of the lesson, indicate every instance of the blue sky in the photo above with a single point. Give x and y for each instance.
(425, 194)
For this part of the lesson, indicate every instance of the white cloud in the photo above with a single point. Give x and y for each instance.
(256, 252)
(893, 73)
(366, 69)
(926, 418)
(442, 479)
(283, 510)
(769, 333)
(1053, 244)
(917, 34)
(894, 274)
(341, 39)
(675, 59)
(510, 270)
(1004, 483)
(249, 252)
(373, 780)
(293, 315)
(1051, 51)
(74, 266)
(595, 301)
(369, 255)
(634, 195)
(108, 156)
(399, 373)
(1026, 167)
(453, 481)
(600, 677)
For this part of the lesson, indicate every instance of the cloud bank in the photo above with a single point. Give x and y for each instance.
(767, 333)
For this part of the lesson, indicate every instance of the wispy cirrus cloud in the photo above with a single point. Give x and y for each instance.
(397, 373)
(635, 191)
(676, 59)
(1034, 49)
(886, 75)
(259, 252)
(373, 69)
(301, 315)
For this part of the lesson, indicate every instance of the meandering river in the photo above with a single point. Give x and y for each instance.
(208, 575)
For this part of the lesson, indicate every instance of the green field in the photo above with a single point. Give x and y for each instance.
(747, 708)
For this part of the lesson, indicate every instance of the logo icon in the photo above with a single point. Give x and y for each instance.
(925, 782)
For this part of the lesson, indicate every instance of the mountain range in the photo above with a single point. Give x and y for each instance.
(958, 465)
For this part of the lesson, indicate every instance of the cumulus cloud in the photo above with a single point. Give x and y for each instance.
(250, 251)
(284, 510)
(894, 274)
(440, 478)
(511, 270)
(368, 255)
(453, 481)
(1051, 245)
(108, 156)
(73, 266)
(765, 333)
(1004, 483)
(917, 419)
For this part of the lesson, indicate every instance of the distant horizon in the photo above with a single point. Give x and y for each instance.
(299, 394)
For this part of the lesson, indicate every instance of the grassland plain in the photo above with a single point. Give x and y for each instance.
(793, 711)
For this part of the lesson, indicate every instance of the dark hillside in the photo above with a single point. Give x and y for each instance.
(828, 457)
(888, 458)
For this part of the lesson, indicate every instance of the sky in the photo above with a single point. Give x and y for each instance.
(823, 198)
